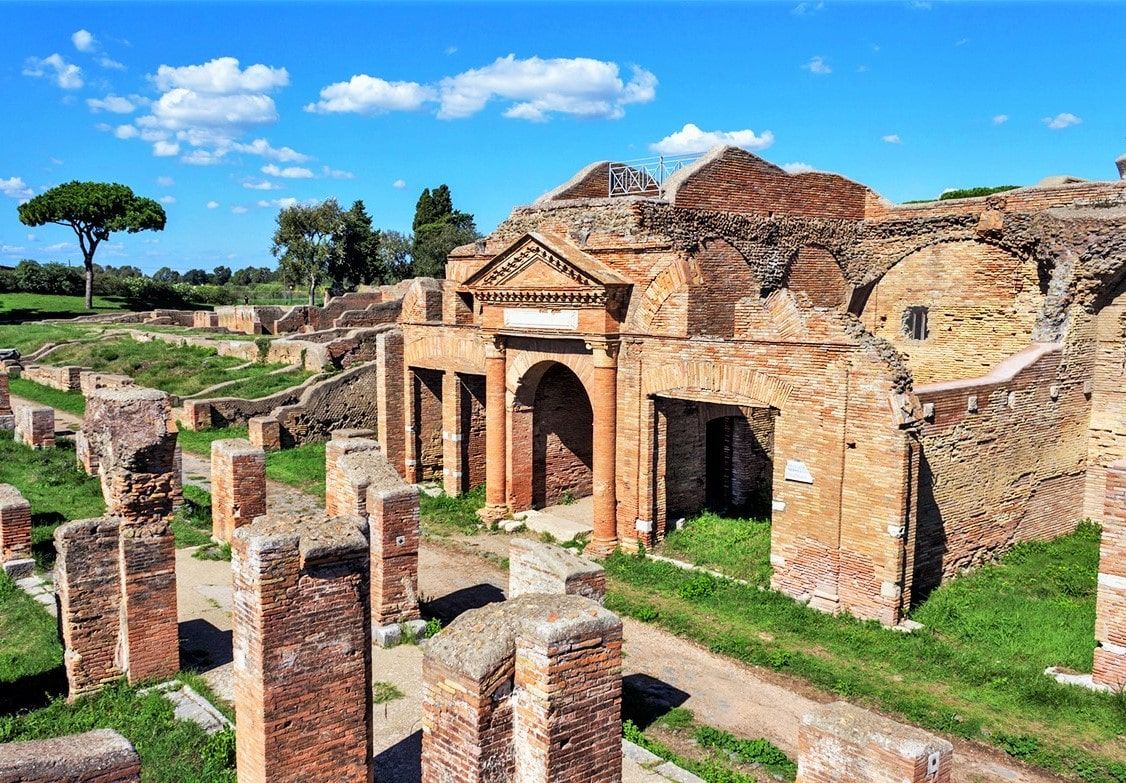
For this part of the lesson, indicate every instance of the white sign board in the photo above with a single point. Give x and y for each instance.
(798, 471)
(523, 318)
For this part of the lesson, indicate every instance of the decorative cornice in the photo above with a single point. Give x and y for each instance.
(592, 297)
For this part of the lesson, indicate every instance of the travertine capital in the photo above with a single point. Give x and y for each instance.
(494, 345)
(605, 352)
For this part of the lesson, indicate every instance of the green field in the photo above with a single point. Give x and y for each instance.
(264, 385)
(71, 402)
(26, 338)
(975, 670)
(32, 307)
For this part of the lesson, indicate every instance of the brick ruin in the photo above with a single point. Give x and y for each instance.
(840, 742)
(116, 576)
(7, 417)
(101, 756)
(1110, 610)
(35, 426)
(15, 533)
(528, 690)
(302, 650)
(238, 486)
(536, 567)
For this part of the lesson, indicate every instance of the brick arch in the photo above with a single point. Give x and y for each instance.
(739, 384)
(814, 270)
(447, 352)
(674, 278)
(525, 368)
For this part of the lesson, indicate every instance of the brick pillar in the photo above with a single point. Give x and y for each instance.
(411, 471)
(605, 404)
(453, 446)
(7, 418)
(567, 716)
(496, 490)
(15, 531)
(35, 426)
(391, 422)
(394, 533)
(302, 651)
(839, 742)
(1110, 604)
(88, 584)
(101, 756)
(238, 486)
(344, 493)
(265, 432)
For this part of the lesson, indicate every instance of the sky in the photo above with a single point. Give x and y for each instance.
(227, 111)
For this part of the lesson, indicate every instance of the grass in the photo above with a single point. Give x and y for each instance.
(302, 467)
(385, 692)
(69, 401)
(29, 307)
(30, 337)
(177, 369)
(192, 524)
(975, 671)
(171, 751)
(199, 442)
(736, 547)
(29, 643)
(443, 515)
(264, 385)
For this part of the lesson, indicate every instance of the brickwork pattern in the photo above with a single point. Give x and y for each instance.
(526, 690)
(394, 520)
(346, 489)
(5, 395)
(302, 651)
(101, 756)
(238, 486)
(66, 378)
(15, 525)
(1110, 604)
(839, 742)
(35, 426)
(536, 567)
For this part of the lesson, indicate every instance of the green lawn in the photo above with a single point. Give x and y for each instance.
(975, 671)
(176, 369)
(71, 402)
(31, 307)
(29, 643)
(736, 547)
(302, 467)
(192, 523)
(29, 337)
(198, 442)
(264, 385)
(443, 514)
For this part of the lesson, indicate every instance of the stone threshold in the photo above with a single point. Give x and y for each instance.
(654, 763)
(189, 705)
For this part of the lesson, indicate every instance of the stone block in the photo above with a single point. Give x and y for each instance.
(35, 426)
(536, 567)
(101, 756)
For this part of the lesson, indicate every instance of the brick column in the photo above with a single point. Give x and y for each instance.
(496, 491)
(7, 418)
(841, 742)
(238, 486)
(394, 534)
(411, 471)
(345, 493)
(35, 426)
(302, 651)
(1110, 604)
(15, 532)
(604, 401)
(453, 447)
(389, 398)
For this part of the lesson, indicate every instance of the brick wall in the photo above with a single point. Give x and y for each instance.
(62, 378)
(840, 742)
(1107, 441)
(302, 651)
(5, 395)
(529, 690)
(101, 756)
(238, 486)
(35, 426)
(536, 567)
(562, 438)
(1110, 609)
(816, 274)
(346, 482)
(15, 525)
(722, 278)
(426, 403)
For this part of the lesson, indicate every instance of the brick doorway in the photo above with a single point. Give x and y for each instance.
(562, 439)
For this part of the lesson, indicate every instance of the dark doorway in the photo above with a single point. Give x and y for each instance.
(562, 439)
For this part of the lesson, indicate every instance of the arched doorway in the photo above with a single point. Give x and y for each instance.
(562, 439)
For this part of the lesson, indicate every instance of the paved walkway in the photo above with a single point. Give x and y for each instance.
(460, 573)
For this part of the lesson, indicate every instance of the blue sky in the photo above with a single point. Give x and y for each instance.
(504, 101)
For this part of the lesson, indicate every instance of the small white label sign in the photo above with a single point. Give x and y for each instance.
(523, 318)
(798, 471)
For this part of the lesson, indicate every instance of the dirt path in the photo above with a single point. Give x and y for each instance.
(462, 572)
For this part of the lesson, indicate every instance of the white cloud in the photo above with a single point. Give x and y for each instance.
(15, 187)
(797, 167)
(363, 94)
(167, 199)
(200, 157)
(84, 41)
(451, 50)
(239, 210)
(332, 173)
(165, 149)
(32, 238)
(891, 138)
(263, 185)
(817, 65)
(11, 249)
(289, 172)
(111, 103)
(578, 86)
(399, 184)
(280, 203)
(690, 139)
(221, 76)
(263, 148)
(1000, 119)
(1063, 120)
(66, 75)
(165, 182)
(961, 42)
(183, 109)
(807, 8)
(212, 204)
(919, 5)
(110, 63)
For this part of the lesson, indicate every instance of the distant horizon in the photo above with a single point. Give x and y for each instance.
(225, 112)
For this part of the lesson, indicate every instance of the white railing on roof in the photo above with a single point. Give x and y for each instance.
(646, 176)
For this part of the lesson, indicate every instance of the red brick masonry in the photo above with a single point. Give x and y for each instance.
(15, 525)
(1110, 607)
(238, 486)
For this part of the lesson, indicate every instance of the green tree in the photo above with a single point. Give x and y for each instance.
(357, 258)
(221, 275)
(438, 229)
(166, 275)
(305, 242)
(395, 259)
(93, 210)
(195, 277)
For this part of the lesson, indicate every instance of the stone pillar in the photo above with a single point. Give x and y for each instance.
(1110, 603)
(453, 447)
(35, 426)
(346, 493)
(101, 756)
(7, 418)
(394, 532)
(496, 490)
(536, 567)
(604, 401)
(15, 533)
(838, 742)
(238, 486)
(302, 650)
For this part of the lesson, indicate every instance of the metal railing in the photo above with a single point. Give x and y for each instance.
(645, 176)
